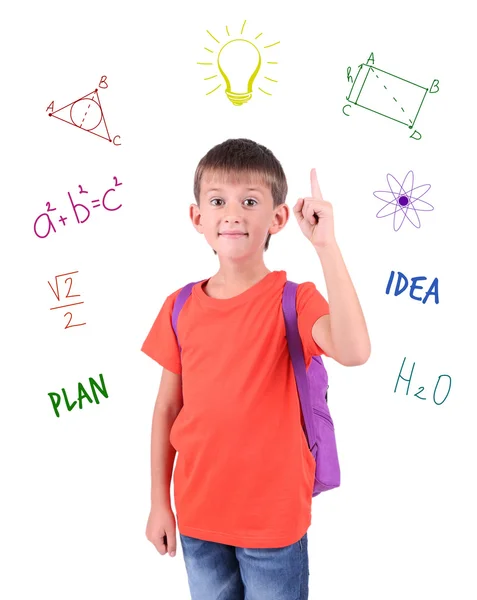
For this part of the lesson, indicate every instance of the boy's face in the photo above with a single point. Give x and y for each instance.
(236, 204)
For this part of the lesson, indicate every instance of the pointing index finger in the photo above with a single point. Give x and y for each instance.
(315, 188)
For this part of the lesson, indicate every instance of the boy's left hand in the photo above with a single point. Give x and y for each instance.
(320, 233)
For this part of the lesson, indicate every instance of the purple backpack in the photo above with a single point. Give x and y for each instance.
(312, 385)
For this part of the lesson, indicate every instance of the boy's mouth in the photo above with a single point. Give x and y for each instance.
(233, 233)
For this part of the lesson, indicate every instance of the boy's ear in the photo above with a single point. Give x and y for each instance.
(282, 214)
(194, 214)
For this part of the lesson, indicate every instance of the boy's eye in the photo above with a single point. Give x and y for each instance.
(246, 199)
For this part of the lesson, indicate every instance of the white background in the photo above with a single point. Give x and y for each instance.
(75, 489)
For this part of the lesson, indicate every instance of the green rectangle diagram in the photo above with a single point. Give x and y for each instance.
(387, 95)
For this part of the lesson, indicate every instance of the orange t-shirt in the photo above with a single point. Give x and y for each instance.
(244, 473)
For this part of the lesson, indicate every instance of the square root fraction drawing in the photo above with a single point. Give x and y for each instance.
(86, 113)
(388, 95)
(63, 299)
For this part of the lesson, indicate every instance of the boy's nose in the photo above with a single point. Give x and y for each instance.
(233, 217)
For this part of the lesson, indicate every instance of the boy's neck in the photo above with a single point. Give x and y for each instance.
(236, 279)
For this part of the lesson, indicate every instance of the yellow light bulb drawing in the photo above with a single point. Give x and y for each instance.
(239, 60)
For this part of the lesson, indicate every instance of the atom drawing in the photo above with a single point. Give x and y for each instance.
(402, 202)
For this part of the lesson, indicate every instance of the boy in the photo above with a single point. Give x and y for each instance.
(228, 402)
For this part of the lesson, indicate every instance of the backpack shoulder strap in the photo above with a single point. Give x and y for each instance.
(179, 303)
(296, 354)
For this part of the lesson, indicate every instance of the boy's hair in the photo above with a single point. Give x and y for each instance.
(243, 156)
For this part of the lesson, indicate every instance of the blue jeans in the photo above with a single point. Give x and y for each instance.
(222, 572)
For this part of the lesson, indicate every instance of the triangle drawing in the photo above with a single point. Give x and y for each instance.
(85, 113)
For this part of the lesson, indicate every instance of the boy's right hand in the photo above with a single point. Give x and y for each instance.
(161, 529)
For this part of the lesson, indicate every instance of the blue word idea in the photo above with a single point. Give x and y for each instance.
(403, 282)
